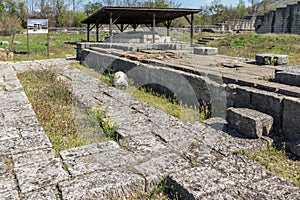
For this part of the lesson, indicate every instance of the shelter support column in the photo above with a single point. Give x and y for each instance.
(192, 29)
(153, 29)
(191, 22)
(110, 26)
(88, 32)
(97, 32)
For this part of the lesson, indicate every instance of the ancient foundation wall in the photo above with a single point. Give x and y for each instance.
(281, 20)
(193, 88)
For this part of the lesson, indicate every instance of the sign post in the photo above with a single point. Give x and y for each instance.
(37, 26)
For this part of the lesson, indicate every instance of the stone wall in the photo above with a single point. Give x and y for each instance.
(281, 20)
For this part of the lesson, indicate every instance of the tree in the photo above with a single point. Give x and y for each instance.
(91, 8)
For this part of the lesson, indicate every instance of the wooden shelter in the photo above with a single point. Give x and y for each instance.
(123, 17)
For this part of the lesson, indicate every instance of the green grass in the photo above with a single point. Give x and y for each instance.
(248, 45)
(38, 49)
(278, 161)
(52, 102)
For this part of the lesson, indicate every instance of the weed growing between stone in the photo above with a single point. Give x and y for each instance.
(52, 102)
(108, 125)
(277, 161)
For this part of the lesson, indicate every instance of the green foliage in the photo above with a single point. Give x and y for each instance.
(248, 45)
(108, 78)
(108, 125)
(38, 49)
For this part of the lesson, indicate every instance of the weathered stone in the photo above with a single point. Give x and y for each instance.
(289, 78)
(32, 157)
(205, 50)
(241, 170)
(17, 42)
(19, 145)
(121, 80)
(4, 43)
(103, 185)
(249, 122)
(38, 175)
(145, 145)
(291, 119)
(8, 188)
(271, 59)
(199, 182)
(96, 157)
(275, 188)
(50, 193)
(216, 123)
(156, 169)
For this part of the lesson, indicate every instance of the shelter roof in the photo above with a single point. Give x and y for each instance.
(137, 15)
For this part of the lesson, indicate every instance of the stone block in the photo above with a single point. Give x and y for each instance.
(271, 59)
(205, 51)
(40, 174)
(291, 119)
(102, 156)
(242, 97)
(269, 103)
(288, 78)
(156, 169)
(196, 183)
(250, 123)
(8, 187)
(103, 185)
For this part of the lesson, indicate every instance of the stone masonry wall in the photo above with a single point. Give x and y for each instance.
(282, 20)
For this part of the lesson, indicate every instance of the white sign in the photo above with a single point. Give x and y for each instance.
(37, 26)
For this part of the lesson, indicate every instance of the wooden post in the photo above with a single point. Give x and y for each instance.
(192, 29)
(97, 32)
(153, 29)
(88, 32)
(48, 52)
(110, 26)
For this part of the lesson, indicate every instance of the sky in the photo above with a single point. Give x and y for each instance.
(197, 3)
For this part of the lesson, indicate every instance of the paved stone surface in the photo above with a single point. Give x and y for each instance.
(198, 160)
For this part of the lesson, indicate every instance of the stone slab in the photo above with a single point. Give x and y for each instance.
(8, 187)
(109, 156)
(250, 123)
(14, 146)
(156, 169)
(206, 50)
(271, 59)
(199, 182)
(145, 146)
(103, 185)
(32, 157)
(41, 174)
(48, 193)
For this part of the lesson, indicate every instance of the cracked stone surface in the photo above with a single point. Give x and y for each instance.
(199, 161)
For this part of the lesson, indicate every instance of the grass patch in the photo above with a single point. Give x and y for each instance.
(60, 45)
(52, 102)
(278, 161)
(248, 45)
